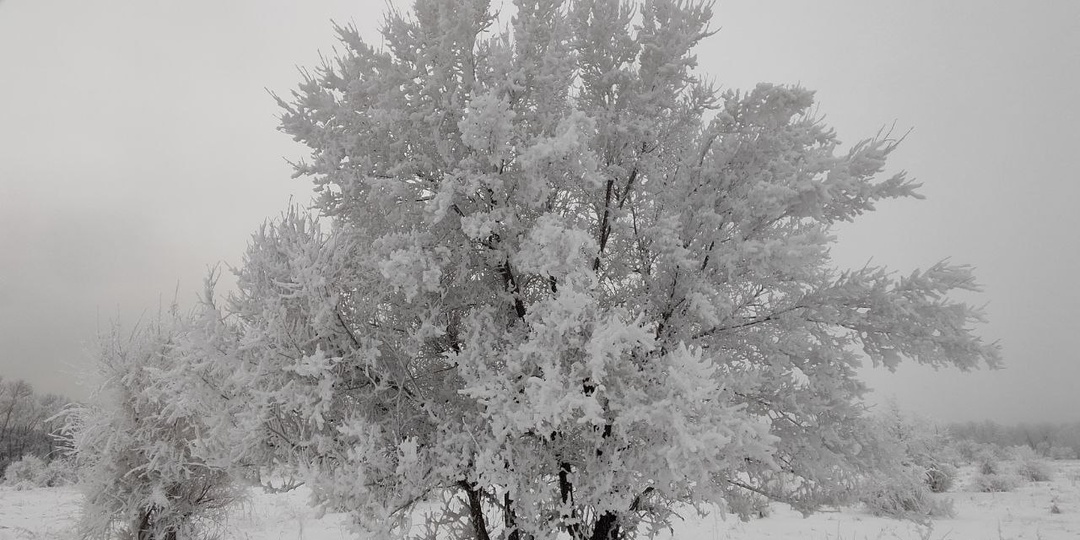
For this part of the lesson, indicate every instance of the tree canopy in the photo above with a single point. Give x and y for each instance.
(561, 284)
(568, 278)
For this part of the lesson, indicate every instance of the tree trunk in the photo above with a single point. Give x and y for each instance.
(566, 491)
(145, 527)
(142, 530)
(606, 528)
(509, 518)
(476, 511)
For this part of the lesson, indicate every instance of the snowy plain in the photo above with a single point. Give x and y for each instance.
(1023, 514)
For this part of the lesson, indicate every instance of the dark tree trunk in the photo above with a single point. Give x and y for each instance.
(509, 519)
(606, 528)
(476, 511)
(142, 531)
(566, 491)
(145, 530)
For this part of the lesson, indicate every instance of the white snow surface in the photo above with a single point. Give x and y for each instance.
(1024, 514)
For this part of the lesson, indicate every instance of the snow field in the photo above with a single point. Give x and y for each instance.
(1023, 514)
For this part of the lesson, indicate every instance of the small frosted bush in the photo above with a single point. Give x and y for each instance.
(1034, 471)
(941, 477)
(1022, 453)
(748, 505)
(979, 453)
(995, 483)
(28, 469)
(906, 496)
(966, 450)
(989, 467)
(31, 471)
(1029, 466)
(1062, 452)
(60, 472)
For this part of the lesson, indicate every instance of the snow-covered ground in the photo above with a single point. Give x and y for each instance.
(1024, 514)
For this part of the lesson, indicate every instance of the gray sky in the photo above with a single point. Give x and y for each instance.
(138, 146)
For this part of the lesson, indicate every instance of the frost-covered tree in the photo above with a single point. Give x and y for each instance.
(914, 458)
(565, 285)
(260, 377)
(137, 443)
(27, 421)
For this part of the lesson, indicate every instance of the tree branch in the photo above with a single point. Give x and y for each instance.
(605, 227)
(759, 320)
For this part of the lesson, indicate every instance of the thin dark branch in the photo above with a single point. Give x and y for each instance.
(605, 227)
(752, 322)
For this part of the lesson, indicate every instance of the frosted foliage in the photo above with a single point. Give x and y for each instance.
(562, 284)
(137, 446)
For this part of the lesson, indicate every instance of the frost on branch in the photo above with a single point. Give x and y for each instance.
(565, 285)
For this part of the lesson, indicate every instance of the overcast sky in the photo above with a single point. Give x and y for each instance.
(138, 146)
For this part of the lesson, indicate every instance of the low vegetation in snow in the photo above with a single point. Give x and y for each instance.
(1044, 510)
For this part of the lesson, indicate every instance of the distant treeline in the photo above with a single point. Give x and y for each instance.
(27, 422)
(1057, 441)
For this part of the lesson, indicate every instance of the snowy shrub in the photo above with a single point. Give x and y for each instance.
(747, 504)
(1061, 453)
(991, 452)
(911, 463)
(905, 496)
(965, 449)
(59, 472)
(135, 443)
(994, 483)
(968, 451)
(988, 464)
(914, 447)
(29, 469)
(941, 477)
(1028, 465)
(1021, 453)
(33, 471)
